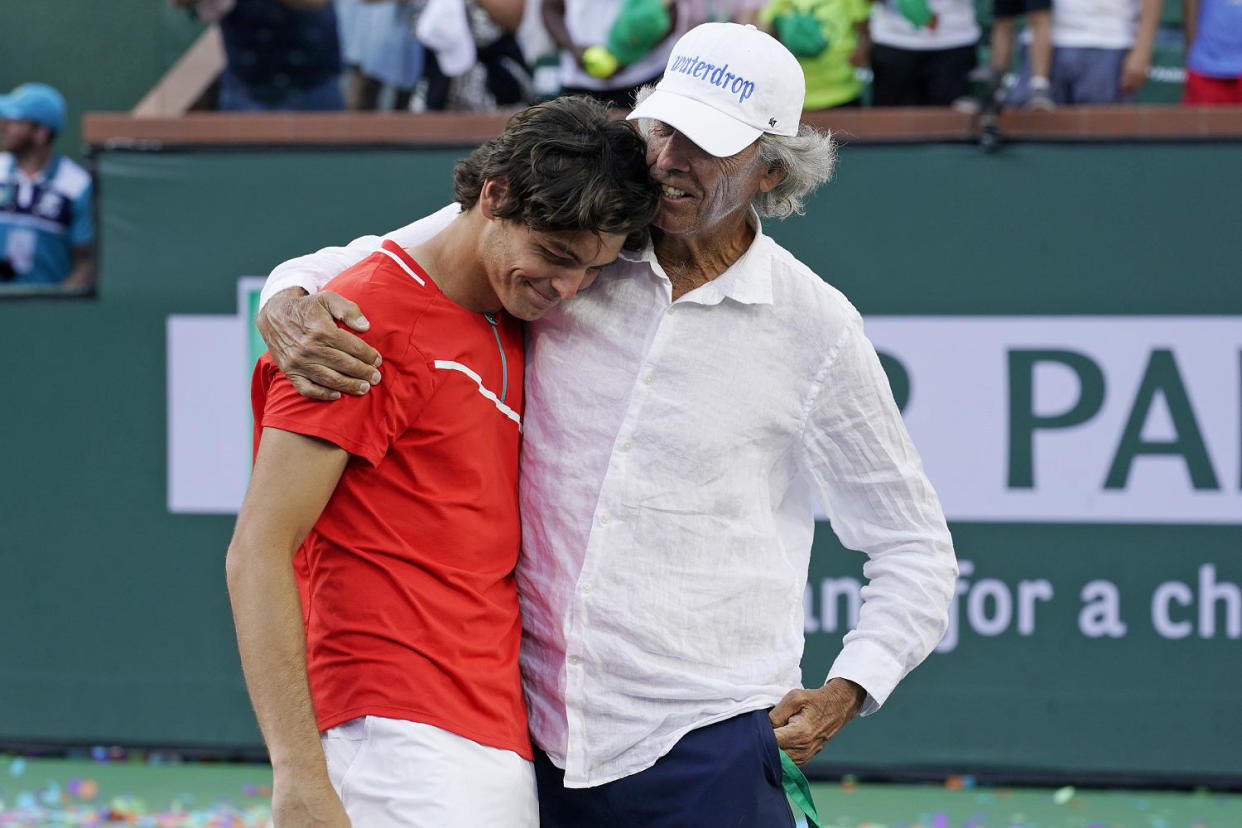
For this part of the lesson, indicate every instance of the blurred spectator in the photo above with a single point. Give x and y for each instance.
(694, 12)
(473, 61)
(47, 227)
(610, 48)
(1214, 51)
(349, 34)
(829, 38)
(922, 52)
(1101, 49)
(281, 55)
(380, 49)
(1038, 15)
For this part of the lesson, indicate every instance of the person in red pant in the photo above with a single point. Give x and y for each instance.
(1214, 51)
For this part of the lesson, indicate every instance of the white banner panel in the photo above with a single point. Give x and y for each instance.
(210, 360)
(1129, 419)
(1126, 419)
(208, 414)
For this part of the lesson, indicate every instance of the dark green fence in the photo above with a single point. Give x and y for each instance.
(115, 625)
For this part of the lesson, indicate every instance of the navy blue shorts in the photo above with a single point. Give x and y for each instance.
(1013, 8)
(725, 775)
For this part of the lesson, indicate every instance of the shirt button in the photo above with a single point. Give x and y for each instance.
(575, 661)
(603, 519)
(626, 446)
(647, 379)
(670, 310)
(586, 589)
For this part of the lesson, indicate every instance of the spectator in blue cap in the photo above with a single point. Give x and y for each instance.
(47, 227)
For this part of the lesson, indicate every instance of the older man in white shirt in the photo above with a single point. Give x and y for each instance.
(682, 415)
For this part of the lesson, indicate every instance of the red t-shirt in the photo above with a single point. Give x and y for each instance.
(406, 580)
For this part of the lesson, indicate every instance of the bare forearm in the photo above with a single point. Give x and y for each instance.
(293, 478)
(554, 21)
(1190, 22)
(82, 275)
(1149, 21)
(1138, 61)
(270, 638)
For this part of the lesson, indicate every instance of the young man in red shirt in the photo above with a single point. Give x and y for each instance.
(371, 570)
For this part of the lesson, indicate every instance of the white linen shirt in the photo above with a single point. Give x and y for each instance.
(671, 454)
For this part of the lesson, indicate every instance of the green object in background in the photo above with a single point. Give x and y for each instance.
(916, 11)
(639, 26)
(831, 78)
(599, 62)
(801, 34)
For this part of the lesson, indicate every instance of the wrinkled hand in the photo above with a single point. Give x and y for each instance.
(806, 719)
(301, 804)
(319, 358)
(1134, 71)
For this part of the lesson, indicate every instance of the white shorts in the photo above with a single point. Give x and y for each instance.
(392, 773)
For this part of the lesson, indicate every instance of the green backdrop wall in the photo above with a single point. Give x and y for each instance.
(101, 55)
(115, 627)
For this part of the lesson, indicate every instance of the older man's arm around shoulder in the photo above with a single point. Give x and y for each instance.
(870, 479)
(299, 320)
(320, 358)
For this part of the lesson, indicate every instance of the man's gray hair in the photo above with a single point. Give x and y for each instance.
(808, 159)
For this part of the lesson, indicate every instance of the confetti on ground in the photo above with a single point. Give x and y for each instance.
(131, 790)
(97, 793)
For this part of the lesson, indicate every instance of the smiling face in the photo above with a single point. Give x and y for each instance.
(702, 195)
(531, 271)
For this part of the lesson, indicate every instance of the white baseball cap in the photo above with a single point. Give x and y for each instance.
(726, 84)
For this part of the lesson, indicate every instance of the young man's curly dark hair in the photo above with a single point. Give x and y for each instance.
(541, 154)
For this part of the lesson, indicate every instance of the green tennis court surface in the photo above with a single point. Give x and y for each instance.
(148, 792)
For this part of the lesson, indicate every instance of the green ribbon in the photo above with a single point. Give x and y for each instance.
(799, 790)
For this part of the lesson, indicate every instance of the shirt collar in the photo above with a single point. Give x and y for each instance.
(46, 174)
(748, 280)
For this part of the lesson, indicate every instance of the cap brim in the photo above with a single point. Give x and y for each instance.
(6, 107)
(716, 133)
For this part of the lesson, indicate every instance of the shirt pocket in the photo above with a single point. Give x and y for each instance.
(342, 746)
